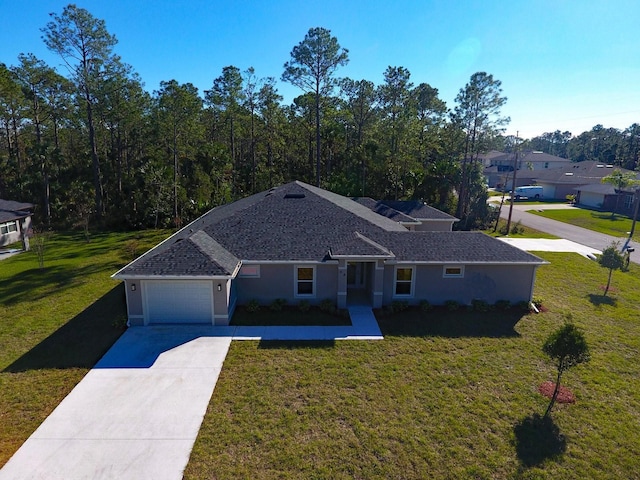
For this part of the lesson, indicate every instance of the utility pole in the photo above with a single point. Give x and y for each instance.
(513, 185)
(633, 223)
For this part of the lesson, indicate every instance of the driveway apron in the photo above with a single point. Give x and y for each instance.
(135, 415)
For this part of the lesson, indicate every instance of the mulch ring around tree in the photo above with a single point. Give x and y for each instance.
(564, 394)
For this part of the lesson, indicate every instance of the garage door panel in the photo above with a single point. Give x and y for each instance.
(179, 301)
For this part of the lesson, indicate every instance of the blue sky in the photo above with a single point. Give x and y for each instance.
(564, 64)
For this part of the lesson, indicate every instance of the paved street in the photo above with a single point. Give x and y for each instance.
(592, 239)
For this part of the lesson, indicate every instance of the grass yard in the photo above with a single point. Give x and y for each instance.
(522, 231)
(618, 226)
(57, 322)
(447, 395)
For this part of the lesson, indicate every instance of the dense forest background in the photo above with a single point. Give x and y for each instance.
(93, 145)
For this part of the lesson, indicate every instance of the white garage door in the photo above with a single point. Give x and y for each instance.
(179, 301)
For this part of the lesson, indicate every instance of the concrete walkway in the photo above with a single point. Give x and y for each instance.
(137, 413)
(363, 327)
(9, 252)
(550, 245)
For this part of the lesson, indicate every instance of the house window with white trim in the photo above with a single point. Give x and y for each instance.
(305, 281)
(8, 227)
(453, 271)
(404, 278)
(249, 271)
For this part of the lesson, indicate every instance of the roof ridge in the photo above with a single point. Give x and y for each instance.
(214, 251)
(373, 243)
(353, 207)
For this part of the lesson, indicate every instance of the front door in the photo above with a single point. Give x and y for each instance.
(355, 275)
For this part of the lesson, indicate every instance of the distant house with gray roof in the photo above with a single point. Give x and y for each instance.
(298, 242)
(499, 167)
(578, 176)
(15, 222)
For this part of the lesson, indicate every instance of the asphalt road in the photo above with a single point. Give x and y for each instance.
(580, 235)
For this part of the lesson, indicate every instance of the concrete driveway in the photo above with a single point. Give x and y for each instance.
(136, 415)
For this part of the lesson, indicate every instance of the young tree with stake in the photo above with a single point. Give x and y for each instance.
(567, 347)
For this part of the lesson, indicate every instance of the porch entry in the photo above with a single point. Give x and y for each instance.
(359, 275)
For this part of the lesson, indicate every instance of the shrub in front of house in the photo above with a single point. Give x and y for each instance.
(252, 306)
(304, 305)
(503, 305)
(278, 304)
(399, 305)
(425, 306)
(452, 305)
(479, 305)
(327, 306)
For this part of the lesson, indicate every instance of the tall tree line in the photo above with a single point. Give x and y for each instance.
(94, 144)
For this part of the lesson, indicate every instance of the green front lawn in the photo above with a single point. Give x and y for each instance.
(56, 323)
(603, 222)
(522, 231)
(445, 395)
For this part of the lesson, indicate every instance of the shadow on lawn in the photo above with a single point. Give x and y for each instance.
(538, 439)
(443, 323)
(598, 300)
(296, 344)
(81, 341)
(41, 282)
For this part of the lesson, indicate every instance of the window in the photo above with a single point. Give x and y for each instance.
(628, 202)
(404, 281)
(453, 272)
(305, 281)
(249, 271)
(8, 228)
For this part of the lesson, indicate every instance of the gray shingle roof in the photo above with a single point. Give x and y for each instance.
(579, 173)
(381, 209)
(11, 210)
(186, 257)
(453, 247)
(298, 222)
(418, 210)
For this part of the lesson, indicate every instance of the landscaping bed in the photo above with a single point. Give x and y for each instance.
(289, 315)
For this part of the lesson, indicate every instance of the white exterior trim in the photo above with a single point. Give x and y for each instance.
(296, 281)
(452, 275)
(395, 281)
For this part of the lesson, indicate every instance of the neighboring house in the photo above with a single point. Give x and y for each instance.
(568, 180)
(411, 214)
(15, 222)
(299, 242)
(499, 170)
(604, 196)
